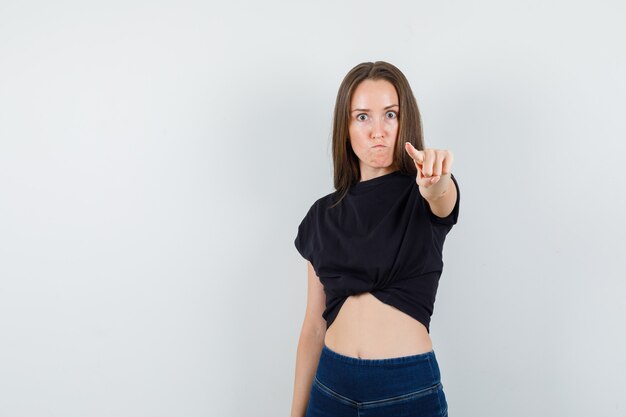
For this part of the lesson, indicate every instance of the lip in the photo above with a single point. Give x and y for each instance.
(378, 146)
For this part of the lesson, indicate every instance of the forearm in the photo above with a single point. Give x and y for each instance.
(307, 359)
(438, 190)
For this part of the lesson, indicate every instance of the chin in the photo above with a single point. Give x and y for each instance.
(384, 165)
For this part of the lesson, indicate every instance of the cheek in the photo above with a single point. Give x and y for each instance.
(356, 136)
(358, 141)
(358, 131)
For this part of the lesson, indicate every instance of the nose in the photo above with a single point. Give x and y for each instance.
(377, 129)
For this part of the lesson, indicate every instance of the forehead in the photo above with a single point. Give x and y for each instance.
(374, 93)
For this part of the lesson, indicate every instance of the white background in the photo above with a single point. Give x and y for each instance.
(157, 157)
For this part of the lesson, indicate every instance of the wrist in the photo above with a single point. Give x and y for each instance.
(437, 190)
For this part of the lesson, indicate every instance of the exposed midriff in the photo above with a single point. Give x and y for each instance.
(367, 328)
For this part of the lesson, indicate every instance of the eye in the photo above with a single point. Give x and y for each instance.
(393, 113)
(358, 116)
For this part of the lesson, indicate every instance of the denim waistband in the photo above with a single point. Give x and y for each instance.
(370, 379)
(406, 360)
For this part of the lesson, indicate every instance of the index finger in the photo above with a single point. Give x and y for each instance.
(418, 156)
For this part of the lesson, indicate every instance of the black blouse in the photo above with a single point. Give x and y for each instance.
(383, 239)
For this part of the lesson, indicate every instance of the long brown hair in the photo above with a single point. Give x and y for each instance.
(345, 162)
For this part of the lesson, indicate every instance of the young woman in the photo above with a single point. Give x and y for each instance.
(374, 248)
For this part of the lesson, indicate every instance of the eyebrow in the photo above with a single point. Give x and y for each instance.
(388, 107)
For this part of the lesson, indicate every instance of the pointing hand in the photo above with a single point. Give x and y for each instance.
(431, 164)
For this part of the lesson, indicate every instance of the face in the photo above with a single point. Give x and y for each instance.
(373, 126)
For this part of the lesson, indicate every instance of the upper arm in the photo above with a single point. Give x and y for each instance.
(316, 302)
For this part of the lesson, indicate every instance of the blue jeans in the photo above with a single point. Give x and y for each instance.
(399, 387)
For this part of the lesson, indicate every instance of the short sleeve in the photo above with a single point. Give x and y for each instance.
(452, 218)
(304, 238)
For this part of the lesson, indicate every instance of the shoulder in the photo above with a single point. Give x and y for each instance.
(324, 201)
(309, 227)
(319, 204)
